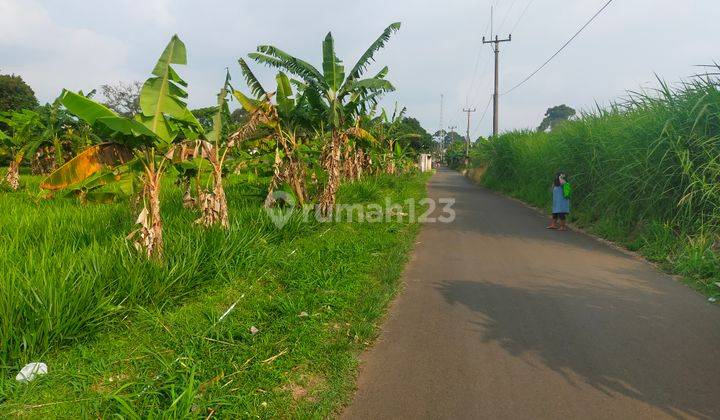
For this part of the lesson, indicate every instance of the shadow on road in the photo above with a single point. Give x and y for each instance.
(638, 347)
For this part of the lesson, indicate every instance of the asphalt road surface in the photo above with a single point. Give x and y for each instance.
(501, 318)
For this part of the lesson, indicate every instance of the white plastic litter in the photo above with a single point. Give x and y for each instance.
(254, 330)
(31, 371)
(712, 299)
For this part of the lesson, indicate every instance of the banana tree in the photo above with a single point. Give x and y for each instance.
(387, 131)
(24, 138)
(337, 97)
(287, 119)
(150, 135)
(358, 143)
(59, 138)
(215, 148)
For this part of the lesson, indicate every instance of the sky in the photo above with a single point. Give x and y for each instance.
(81, 44)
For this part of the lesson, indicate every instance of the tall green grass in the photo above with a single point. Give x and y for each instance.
(174, 340)
(67, 270)
(645, 172)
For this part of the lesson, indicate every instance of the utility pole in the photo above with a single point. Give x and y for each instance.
(452, 128)
(496, 48)
(440, 137)
(467, 138)
(442, 99)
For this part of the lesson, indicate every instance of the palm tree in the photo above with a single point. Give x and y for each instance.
(337, 98)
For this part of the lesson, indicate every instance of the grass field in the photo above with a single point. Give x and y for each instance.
(645, 174)
(125, 336)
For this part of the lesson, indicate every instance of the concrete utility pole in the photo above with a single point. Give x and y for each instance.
(496, 48)
(442, 99)
(452, 128)
(467, 138)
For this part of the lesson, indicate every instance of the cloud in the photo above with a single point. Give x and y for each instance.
(51, 56)
(81, 44)
(154, 11)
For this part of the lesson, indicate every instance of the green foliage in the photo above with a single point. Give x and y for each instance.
(217, 121)
(77, 295)
(63, 132)
(333, 70)
(369, 54)
(205, 116)
(150, 340)
(164, 115)
(455, 153)
(395, 140)
(556, 115)
(337, 98)
(239, 117)
(35, 134)
(24, 129)
(162, 98)
(84, 269)
(417, 138)
(104, 120)
(448, 137)
(15, 94)
(643, 172)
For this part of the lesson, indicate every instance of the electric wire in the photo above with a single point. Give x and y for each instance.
(482, 117)
(522, 15)
(507, 13)
(559, 50)
(477, 63)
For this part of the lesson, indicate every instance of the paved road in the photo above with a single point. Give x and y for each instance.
(500, 318)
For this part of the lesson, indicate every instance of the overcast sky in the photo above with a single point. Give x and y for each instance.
(81, 44)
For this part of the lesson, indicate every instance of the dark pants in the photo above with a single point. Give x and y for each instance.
(559, 216)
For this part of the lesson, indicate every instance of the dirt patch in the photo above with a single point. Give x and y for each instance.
(305, 387)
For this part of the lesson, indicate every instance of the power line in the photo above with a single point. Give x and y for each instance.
(487, 62)
(560, 50)
(506, 15)
(477, 61)
(482, 117)
(483, 71)
(522, 15)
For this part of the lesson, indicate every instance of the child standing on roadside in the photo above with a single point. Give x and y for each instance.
(561, 202)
